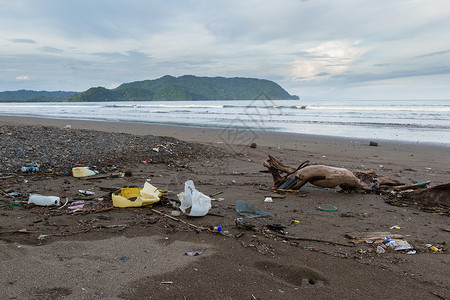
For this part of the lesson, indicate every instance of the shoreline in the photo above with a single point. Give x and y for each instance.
(204, 134)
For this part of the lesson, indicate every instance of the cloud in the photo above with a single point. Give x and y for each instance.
(438, 53)
(303, 45)
(23, 77)
(326, 59)
(24, 41)
(50, 49)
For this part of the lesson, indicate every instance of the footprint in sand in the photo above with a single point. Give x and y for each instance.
(299, 276)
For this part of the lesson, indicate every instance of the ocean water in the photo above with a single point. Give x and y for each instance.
(426, 121)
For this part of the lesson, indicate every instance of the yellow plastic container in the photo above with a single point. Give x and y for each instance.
(135, 197)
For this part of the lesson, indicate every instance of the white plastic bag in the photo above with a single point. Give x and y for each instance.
(199, 203)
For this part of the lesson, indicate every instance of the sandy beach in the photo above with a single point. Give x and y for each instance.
(101, 252)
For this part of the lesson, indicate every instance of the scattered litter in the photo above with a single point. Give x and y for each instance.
(395, 227)
(41, 200)
(327, 207)
(276, 227)
(217, 228)
(435, 249)
(82, 172)
(268, 199)
(68, 126)
(380, 250)
(241, 223)
(195, 253)
(42, 237)
(79, 206)
(373, 236)
(411, 252)
(29, 169)
(373, 144)
(85, 192)
(135, 197)
(250, 211)
(175, 213)
(124, 258)
(399, 245)
(199, 203)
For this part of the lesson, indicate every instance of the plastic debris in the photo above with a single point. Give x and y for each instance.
(41, 200)
(276, 227)
(135, 197)
(82, 172)
(199, 203)
(250, 211)
(85, 192)
(175, 213)
(435, 249)
(268, 199)
(194, 253)
(29, 169)
(327, 207)
(42, 237)
(78, 206)
(399, 245)
(380, 250)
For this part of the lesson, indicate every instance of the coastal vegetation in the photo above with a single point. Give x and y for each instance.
(169, 88)
(35, 96)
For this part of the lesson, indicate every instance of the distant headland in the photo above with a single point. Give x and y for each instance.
(166, 88)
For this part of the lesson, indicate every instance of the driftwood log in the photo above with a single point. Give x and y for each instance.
(323, 176)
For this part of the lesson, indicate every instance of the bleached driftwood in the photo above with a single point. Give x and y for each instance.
(322, 176)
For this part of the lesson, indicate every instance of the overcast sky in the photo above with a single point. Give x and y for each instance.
(316, 49)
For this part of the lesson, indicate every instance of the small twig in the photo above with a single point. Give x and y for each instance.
(411, 186)
(216, 215)
(218, 193)
(67, 201)
(289, 237)
(437, 295)
(17, 231)
(10, 176)
(176, 219)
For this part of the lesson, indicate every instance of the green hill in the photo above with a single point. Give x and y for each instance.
(34, 96)
(188, 87)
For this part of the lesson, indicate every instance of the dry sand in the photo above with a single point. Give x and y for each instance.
(134, 253)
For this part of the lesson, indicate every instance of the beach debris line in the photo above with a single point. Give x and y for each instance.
(433, 199)
(323, 176)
